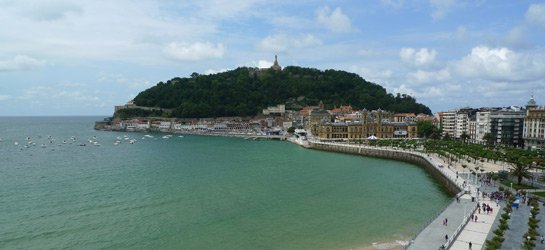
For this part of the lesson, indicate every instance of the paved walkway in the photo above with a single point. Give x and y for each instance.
(476, 232)
(518, 225)
(433, 236)
(460, 232)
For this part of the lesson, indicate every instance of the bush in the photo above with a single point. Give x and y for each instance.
(498, 232)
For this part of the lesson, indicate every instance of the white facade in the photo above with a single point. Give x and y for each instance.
(483, 125)
(461, 125)
(448, 122)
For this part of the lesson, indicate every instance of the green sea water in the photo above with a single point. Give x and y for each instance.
(197, 192)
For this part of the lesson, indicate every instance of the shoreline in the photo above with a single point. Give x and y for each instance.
(431, 163)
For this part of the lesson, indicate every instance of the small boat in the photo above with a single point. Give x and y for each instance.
(43, 145)
(16, 143)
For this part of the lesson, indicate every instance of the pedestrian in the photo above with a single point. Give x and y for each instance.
(541, 239)
(470, 245)
(446, 222)
(446, 237)
(475, 218)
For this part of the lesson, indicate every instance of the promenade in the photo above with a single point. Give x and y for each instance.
(458, 231)
(462, 231)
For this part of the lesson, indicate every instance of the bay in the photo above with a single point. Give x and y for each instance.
(197, 192)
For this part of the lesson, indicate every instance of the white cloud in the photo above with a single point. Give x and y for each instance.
(431, 92)
(461, 33)
(52, 10)
(282, 43)
(57, 94)
(437, 77)
(194, 52)
(334, 20)
(4, 97)
(264, 64)
(20, 62)
(98, 30)
(213, 71)
(393, 3)
(501, 64)
(374, 75)
(420, 58)
(440, 8)
(292, 22)
(536, 14)
(221, 9)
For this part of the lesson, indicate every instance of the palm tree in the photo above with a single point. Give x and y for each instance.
(464, 137)
(520, 170)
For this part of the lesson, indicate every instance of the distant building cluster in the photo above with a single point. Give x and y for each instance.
(344, 123)
(514, 126)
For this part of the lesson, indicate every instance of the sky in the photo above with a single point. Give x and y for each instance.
(72, 57)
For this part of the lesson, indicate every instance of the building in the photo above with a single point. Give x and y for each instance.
(279, 109)
(275, 65)
(482, 125)
(534, 126)
(376, 123)
(506, 126)
(448, 123)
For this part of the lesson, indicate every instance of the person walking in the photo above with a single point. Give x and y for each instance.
(541, 239)
(470, 245)
(446, 237)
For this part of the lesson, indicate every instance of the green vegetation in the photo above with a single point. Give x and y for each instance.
(520, 160)
(136, 112)
(246, 91)
(531, 235)
(426, 129)
(516, 186)
(496, 242)
(541, 194)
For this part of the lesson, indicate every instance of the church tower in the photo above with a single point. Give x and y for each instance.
(276, 66)
(531, 103)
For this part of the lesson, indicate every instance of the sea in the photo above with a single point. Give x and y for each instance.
(64, 185)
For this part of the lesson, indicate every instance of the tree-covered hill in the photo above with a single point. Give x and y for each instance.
(246, 91)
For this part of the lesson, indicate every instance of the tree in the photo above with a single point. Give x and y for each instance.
(464, 137)
(446, 137)
(425, 129)
(488, 138)
(520, 170)
(291, 130)
(246, 91)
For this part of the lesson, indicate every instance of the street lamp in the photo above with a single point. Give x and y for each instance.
(532, 173)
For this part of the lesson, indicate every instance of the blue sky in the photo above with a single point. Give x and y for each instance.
(64, 57)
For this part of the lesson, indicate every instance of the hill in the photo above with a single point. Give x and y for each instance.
(246, 91)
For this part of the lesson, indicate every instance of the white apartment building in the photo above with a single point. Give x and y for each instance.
(482, 125)
(461, 124)
(448, 122)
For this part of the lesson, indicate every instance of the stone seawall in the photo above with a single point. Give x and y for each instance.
(409, 157)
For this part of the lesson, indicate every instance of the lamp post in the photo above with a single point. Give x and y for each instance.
(532, 173)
